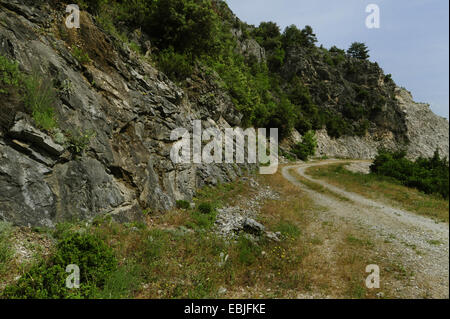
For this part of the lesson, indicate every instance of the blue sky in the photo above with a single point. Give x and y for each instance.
(412, 42)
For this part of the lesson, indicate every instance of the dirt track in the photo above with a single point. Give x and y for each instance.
(411, 236)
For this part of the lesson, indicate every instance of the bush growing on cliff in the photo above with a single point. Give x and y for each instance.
(9, 74)
(38, 94)
(428, 175)
(40, 99)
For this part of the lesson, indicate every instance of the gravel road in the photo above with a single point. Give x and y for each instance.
(421, 243)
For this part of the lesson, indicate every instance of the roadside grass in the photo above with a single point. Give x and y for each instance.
(384, 189)
(6, 251)
(175, 255)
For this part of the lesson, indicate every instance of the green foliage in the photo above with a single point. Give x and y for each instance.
(205, 208)
(358, 50)
(248, 251)
(154, 246)
(182, 204)
(307, 147)
(190, 36)
(428, 175)
(81, 56)
(37, 92)
(9, 74)
(39, 99)
(268, 36)
(307, 113)
(78, 141)
(6, 251)
(353, 111)
(121, 283)
(293, 37)
(187, 26)
(203, 221)
(175, 65)
(47, 279)
(282, 117)
(288, 229)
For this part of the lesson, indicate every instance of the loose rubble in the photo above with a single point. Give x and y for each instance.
(234, 220)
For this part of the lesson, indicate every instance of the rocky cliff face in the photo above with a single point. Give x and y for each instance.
(424, 131)
(130, 106)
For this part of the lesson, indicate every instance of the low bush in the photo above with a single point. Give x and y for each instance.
(175, 65)
(47, 279)
(205, 208)
(307, 147)
(182, 204)
(81, 56)
(428, 175)
(40, 99)
(9, 74)
(78, 141)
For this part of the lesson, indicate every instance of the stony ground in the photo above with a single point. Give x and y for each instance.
(418, 243)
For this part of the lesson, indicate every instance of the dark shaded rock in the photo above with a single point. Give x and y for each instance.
(24, 131)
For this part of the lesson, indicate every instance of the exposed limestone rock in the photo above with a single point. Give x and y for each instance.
(131, 107)
(26, 132)
(425, 132)
(353, 146)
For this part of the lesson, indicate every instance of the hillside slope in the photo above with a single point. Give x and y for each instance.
(106, 148)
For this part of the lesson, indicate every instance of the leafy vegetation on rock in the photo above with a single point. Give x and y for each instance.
(34, 91)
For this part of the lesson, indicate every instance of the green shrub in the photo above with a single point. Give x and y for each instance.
(154, 246)
(287, 228)
(177, 66)
(121, 283)
(428, 175)
(358, 50)
(182, 204)
(202, 221)
(81, 56)
(78, 141)
(47, 279)
(39, 99)
(205, 208)
(307, 147)
(9, 74)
